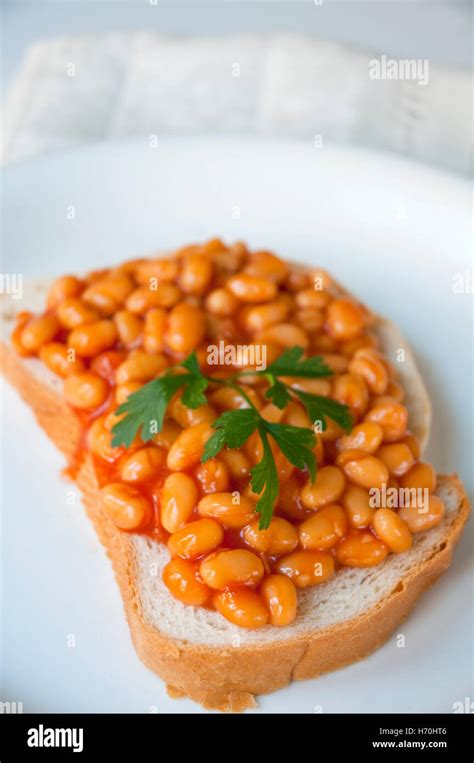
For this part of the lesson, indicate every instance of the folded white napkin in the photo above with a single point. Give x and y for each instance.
(73, 90)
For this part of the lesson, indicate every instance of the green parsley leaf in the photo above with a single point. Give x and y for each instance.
(233, 428)
(193, 395)
(289, 364)
(278, 393)
(320, 408)
(145, 410)
(264, 477)
(295, 443)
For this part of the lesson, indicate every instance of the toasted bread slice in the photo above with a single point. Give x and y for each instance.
(195, 651)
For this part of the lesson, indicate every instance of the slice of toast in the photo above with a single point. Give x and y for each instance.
(195, 651)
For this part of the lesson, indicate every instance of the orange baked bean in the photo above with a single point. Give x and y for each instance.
(155, 295)
(196, 273)
(39, 331)
(108, 294)
(222, 302)
(178, 498)
(345, 319)
(368, 472)
(366, 437)
(280, 537)
(323, 530)
(181, 577)
(91, 339)
(154, 330)
(264, 264)
(306, 568)
(72, 313)
(312, 299)
(284, 335)
(187, 417)
(237, 463)
(311, 321)
(421, 475)
(140, 367)
(99, 441)
(279, 594)
(261, 317)
(85, 390)
(213, 476)
(424, 516)
(397, 457)
(151, 271)
(392, 530)
(242, 607)
(168, 434)
(351, 390)
(186, 328)
(361, 550)
(328, 487)
(368, 364)
(231, 509)
(392, 417)
(250, 288)
(187, 449)
(223, 569)
(62, 288)
(142, 465)
(196, 538)
(123, 391)
(125, 506)
(60, 359)
(356, 502)
(129, 328)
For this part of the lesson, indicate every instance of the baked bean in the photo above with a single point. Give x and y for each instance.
(249, 288)
(261, 317)
(368, 364)
(328, 487)
(284, 335)
(421, 475)
(181, 577)
(332, 432)
(39, 331)
(322, 343)
(335, 361)
(226, 399)
(281, 537)
(62, 288)
(154, 330)
(295, 415)
(366, 472)
(306, 568)
(196, 538)
(125, 506)
(91, 339)
(361, 550)
(351, 346)
(237, 463)
(312, 299)
(289, 502)
(397, 457)
(392, 417)
(196, 273)
(345, 456)
(129, 328)
(264, 264)
(345, 319)
(242, 607)
(140, 367)
(187, 417)
(392, 530)
(323, 530)
(311, 321)
(221, 302)
(313, 386)
(231, 509)
(142, 465)
(60, 359)
(108, 294)
(366, 437)
(178, 498)
(213, 476)
(279, 595)
(99, 441)
(356, 502)
(155, 295)
(168, 434)
(151, 271)
(85, 390)
(123, 391)
(72, 313)
(226, 568)
(186, 328)
(187, 449)
(297, 280)
(423, 517)
(351, 390)
(413, 444)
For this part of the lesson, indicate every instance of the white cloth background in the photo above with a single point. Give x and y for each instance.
(72, 90)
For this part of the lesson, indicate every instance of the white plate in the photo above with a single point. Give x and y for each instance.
(395, 232)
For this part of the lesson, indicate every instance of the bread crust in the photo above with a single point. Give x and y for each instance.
(228, 678)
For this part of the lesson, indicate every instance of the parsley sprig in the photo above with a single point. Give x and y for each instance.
(144, 411)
